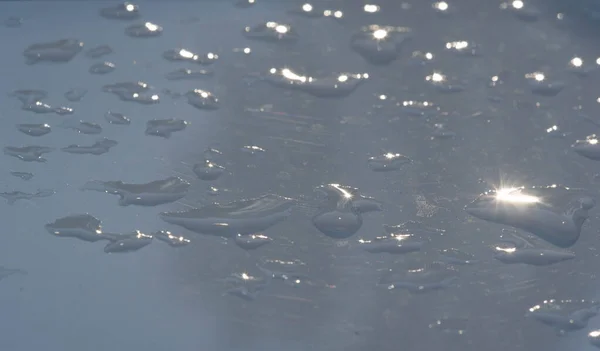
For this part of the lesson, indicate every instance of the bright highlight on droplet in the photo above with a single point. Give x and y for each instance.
(592, 140)
(411, 103)
(380, 34)
(457, 45)
(345, 193)
(538, 76)
(288, 74)
(371, 8)
(576, 62)
(151, 26)
(506, 249)
(185, 53)
(514, 195)
(281, 29)
(518, 4)
(442, 6)
(436, 77)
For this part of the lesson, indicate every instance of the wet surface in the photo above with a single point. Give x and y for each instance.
(154, 193)
(63, 50)
(244, 217)
(28, 153)
(117, 118)
(145, 30)
(100, 147)
(99, 51)
(82, 127)
(102, 67)
(164, 127)
(183, 55)
(334, 175)
(75, 95)
(13, 196)
(34, 129)
(123, 11)
(22, 175)
(273, 32)
(202, 99)
(184, 73)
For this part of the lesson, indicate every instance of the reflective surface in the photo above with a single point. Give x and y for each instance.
(336, 175)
